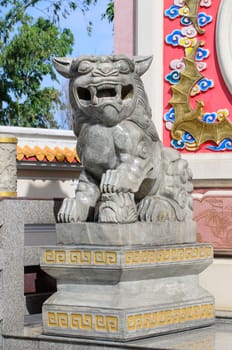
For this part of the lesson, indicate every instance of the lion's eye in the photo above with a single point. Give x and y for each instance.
(123, 66)
(84, 67)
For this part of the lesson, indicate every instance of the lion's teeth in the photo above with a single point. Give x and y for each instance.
(118, 90)
(93, 93)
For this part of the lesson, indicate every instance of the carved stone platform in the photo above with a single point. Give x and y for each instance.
(122, 282)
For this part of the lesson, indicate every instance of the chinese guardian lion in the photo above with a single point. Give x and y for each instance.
(128, 175)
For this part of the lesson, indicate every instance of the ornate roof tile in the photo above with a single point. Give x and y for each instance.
(47, 154)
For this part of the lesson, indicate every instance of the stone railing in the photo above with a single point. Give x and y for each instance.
(16, 214)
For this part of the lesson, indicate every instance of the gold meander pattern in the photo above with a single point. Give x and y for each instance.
(168, 255)
(168, 317)
(80, 257)
(83, 322)
(55, 256)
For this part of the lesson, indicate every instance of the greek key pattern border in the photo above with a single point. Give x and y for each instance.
(87, 322)
(170, 317)
(75, 257)
(168, 255)
(140, 257)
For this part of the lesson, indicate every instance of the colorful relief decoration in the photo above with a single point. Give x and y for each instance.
(212, 213)
(47, 154)
(191, 128)
(151, 320)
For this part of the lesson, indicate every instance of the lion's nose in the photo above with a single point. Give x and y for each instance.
(105, 70)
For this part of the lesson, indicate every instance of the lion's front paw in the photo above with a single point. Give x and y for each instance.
(73, 210)
(154, 209)
(118, 181)
(110, 181)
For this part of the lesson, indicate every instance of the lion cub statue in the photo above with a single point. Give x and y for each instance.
(127, 174)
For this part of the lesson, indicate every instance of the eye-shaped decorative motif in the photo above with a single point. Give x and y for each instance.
(122, 66)
(85, 67)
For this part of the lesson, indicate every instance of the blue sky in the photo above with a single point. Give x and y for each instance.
(98, 43)
(101, 40)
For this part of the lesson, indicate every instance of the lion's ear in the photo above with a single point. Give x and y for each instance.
(142, 63)
(63, 65)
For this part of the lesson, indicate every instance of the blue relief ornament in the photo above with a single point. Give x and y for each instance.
(225, 145)
(173, 37)
(187, 138)
(172, 12)
(204, 19)
(170, 115)
(173, 77)
(178, 144)
(202, 54)
(205, 84)
(209, 117)
(185, 21)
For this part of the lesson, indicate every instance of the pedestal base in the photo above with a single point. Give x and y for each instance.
(125, 292)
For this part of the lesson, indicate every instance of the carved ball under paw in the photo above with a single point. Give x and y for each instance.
(117, 208)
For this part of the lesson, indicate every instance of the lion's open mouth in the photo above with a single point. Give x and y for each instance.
(100, 94)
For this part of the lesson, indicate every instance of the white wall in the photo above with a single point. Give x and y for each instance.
(149, 41)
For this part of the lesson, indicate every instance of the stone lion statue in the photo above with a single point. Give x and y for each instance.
(128, 175)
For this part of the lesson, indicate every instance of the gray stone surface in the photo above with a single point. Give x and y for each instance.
(216, 337)
(12, 241)
(126, 292)
(139, 233)
(39, 211)
(31, 256)
(102, 264)
(128, 175)
(14, 214)
(128, 312)
(39, 235)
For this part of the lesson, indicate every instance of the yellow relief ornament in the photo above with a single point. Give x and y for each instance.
(188, 119)
(192, 7)
(190, 126)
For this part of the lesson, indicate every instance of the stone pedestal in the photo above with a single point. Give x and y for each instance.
(123, 282)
